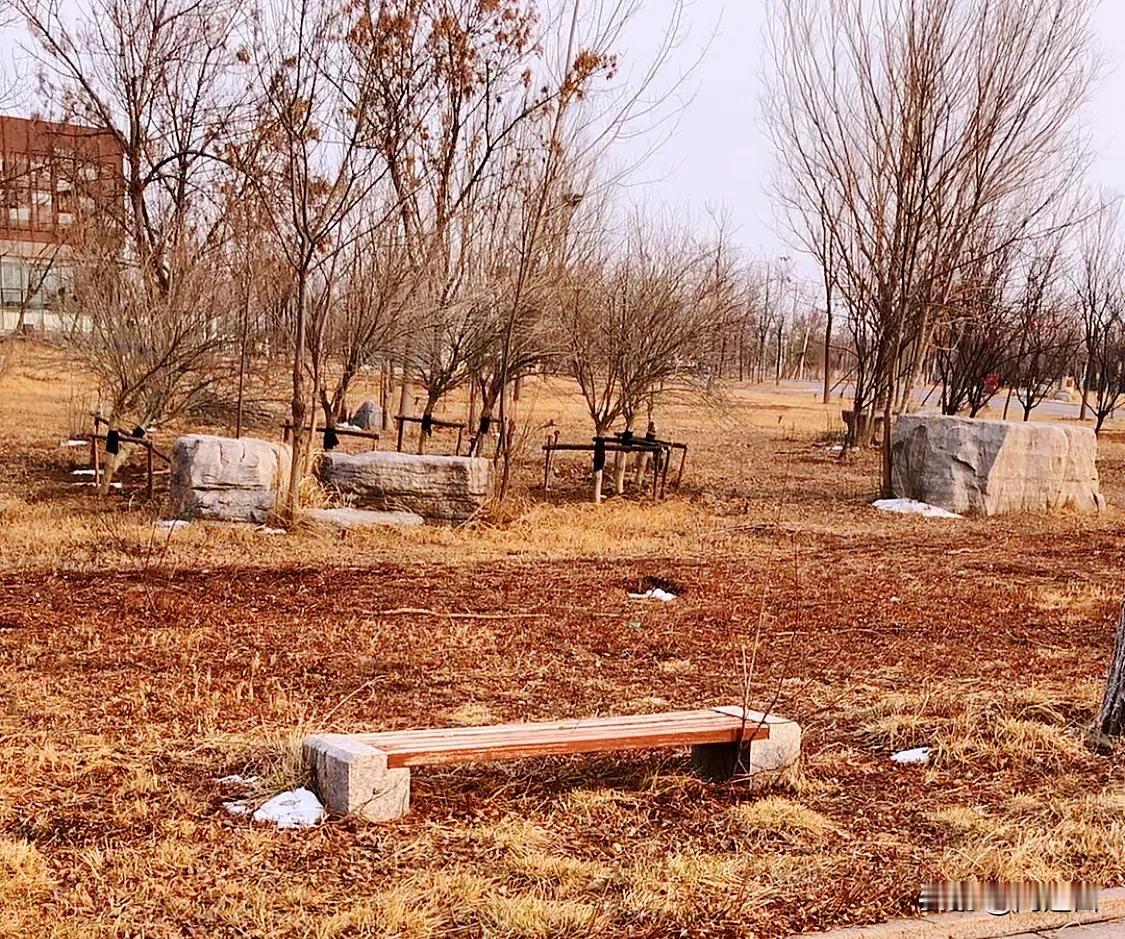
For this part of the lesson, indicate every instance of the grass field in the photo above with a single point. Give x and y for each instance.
(139, 667)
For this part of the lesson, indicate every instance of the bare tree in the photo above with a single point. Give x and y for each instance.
(151, 77)
(1101, 300)
(974, 336)
(899, 126)
(314, 91)
(366, 319)
(637, 328)
(1047, 330)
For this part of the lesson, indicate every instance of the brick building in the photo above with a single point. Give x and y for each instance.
(52, 176)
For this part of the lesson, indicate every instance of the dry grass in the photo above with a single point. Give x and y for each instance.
(144, 666)
(1040, 839)
(1014, 727)
(781, 817)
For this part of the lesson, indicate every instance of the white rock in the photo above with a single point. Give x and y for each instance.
(916, 755)
(439, 488)
(968, 465)
(234, 480)
(299, 808)
(912, 507)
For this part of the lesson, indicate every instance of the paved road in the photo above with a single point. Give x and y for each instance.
(932, 398)
(1111, 930)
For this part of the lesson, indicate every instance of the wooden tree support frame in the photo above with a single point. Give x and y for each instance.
(401, 420)
(660, 450)
(372, 435)
(150, 449)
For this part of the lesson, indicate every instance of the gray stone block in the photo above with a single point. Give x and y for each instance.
(439, 488)
(227, 479)
(968, 465)
(368, 416)
(352, 778)
(763, 761)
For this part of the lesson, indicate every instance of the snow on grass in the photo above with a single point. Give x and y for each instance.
(236, 780)
(916, 755)
(655, 593)
(913, 507)
(75, 443)
(173, 523)
(298, 808)
(82, 472)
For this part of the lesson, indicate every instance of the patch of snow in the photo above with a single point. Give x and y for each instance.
(82, 472)
(236, 780)
(655, 593)
(913, 507)
(75, 443)
(836, 449)
(299, 808)
(266, 530)
(173, 523)
(346, 426)
(236, 808)
(906, 757)
(111, 485)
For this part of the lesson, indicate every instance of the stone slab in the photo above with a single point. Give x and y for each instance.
(349, 518)
(439, 488)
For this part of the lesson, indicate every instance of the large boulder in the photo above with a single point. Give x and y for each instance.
(968, 465)
(227, 479)
(439, 488)
(368, 416)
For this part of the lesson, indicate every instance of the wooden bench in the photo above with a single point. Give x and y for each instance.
(369, 774)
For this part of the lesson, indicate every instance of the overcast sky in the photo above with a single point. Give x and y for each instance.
(719, 156)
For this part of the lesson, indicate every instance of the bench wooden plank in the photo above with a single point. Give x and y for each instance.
(517, 741)
(709, 715)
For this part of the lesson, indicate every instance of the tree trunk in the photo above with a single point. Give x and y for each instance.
(406, 389)
(385, 380)
(828, 355)
(298, 408)
(1111, 718)
(888, 402)
(1086, 388)
(777, 374)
